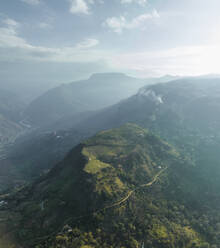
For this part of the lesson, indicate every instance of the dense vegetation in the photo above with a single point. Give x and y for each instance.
(74, 204)
(94, 196)
(170, 110)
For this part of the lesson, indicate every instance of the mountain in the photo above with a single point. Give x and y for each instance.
(192, 102)
(35, 156)
(121, 188)
(99, 91)
(184, 112)
(55, 149)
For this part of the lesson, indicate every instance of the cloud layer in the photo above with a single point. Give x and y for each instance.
(79, 7)
(179, 37)
(118, 24)
(13, 47)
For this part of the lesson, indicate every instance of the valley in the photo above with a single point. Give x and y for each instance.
(146, 166)
(109, 124)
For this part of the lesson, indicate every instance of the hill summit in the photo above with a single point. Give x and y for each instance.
(112, 190)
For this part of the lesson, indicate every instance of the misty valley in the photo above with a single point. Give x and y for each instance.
(109, 124)
(139, 168)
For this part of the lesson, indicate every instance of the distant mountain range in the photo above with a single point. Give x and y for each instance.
(148, 174)
(51, 143)
(99, 91)
(191, 102)
(184, 112)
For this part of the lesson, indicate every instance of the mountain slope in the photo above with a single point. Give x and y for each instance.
(183, 112)
(99, 91)
(116, 189)
(191, 102)
(171, 110)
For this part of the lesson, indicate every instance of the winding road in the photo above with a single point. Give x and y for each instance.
(118, 203)
(132, 191)
(123, 200)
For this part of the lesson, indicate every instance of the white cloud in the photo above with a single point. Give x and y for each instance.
(13, 47)
(8, 34)
(31, 2)
(118, 24)
(140, 2)
(9, 38)
(184, 60)
(88, 43)
(10, 22)
(79, 7)
(82, 6)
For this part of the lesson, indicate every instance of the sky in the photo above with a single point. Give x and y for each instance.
(47, 42)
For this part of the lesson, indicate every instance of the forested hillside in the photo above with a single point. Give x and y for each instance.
(120, 188)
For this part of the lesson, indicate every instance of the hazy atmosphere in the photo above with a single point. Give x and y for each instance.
(109, 124)
(52, 42)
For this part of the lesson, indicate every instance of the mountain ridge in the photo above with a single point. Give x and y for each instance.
(101, 172)
(97, 92)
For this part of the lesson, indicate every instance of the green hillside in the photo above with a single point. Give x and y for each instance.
(185, 113)
(117, 189)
